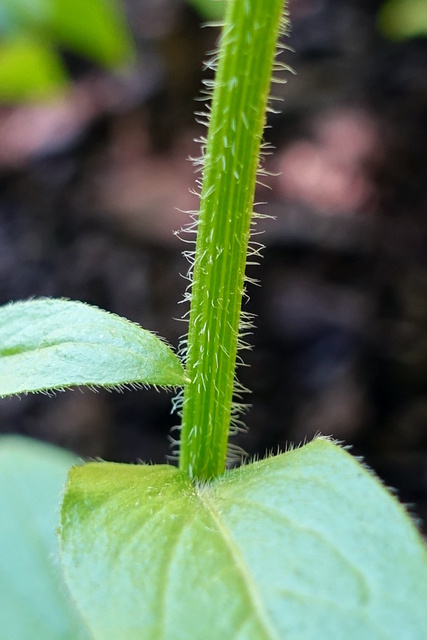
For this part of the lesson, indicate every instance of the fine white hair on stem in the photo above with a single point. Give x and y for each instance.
(254, 251)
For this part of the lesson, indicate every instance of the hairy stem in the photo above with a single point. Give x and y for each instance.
(239, 102)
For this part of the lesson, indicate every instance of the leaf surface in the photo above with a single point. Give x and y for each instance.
(34, 603)
(50, 344)
(305, 546)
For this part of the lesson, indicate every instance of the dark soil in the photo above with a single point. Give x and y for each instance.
(89, 193)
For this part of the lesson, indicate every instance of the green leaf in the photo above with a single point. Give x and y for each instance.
(94, 28)
(29, 70)
(401, 19)
(51, 344)
(22, 16)
(210, 9)
(307, 545)
(34, 602)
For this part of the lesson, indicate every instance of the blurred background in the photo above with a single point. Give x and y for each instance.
(96, 128)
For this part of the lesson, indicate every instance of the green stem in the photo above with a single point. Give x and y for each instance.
(239, 101)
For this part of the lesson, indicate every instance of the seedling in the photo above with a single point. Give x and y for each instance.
(303, 545)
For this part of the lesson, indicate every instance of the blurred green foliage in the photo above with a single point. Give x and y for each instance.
(29, 69)
(210, 9)
(402, 19)
(32, 32)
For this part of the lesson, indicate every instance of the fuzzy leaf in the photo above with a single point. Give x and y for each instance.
(51, 344)
(305, 546)
(34, 603)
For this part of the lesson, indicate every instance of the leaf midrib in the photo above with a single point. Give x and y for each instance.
(239, 563)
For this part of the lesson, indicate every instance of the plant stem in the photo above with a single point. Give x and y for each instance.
(239, 101)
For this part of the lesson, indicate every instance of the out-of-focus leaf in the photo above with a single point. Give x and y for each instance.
(50, 344)
(210, 9)
(93, 28)
(304, 546)
(34, 602)
(401, 19)
(7, 20)
(24, 15)
(29, 70)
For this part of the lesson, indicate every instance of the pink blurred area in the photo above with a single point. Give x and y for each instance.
(331, 170)
(93, 185)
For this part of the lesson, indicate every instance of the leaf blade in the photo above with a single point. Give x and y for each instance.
(49, 344)
(364, 539)
(150, 608)
(34, 602)
(222, 565)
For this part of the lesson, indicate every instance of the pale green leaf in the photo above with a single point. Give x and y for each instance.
(401, 19)
(34, 602)
(25, 14)
(29, 70)
(51, 344)
(7, 20)
(304, 546)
